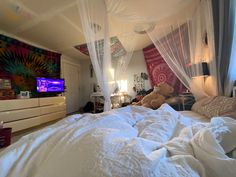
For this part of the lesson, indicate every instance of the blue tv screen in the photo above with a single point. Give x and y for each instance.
(45, 85)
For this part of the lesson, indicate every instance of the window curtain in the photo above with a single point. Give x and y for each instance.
(94, 19)
(224, 25)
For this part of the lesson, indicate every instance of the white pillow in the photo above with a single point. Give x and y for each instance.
(229, 139)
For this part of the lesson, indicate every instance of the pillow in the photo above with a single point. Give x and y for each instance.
(228, 139)
(202, 102)
(230, 114)
(227, 104)
(200, 106)
(215, 106)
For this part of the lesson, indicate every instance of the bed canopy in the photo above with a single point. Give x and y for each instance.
(185, 38)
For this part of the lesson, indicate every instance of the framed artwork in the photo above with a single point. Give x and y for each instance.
(5, 84)
(24, 94)
(138, 83)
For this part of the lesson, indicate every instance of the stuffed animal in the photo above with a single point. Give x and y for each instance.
(157, 97)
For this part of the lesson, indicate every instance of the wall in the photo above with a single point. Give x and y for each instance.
(136, 66)
(23, 40)
(63, 57)
(70, 71)
(86, 82)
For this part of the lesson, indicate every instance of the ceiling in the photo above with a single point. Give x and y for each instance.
(55, 24)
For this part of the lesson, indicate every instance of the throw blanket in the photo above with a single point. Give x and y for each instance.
(131, 141)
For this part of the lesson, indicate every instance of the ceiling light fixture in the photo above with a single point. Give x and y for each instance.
(143, 28)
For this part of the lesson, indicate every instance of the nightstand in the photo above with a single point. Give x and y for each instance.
(187, 100)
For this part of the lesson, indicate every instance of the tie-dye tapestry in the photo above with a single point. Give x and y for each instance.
(159, 71)
(22, 63)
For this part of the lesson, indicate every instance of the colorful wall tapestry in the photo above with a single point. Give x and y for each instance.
(117, 48)
(159, 71)
(22, 63)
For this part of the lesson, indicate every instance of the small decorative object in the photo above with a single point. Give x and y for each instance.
(5, 137)
(98, 89)
(138, 82)
(144, 76)
(24, 94)
(6, 94)
(91, 70)
(1, 124)
(205, 39)
(157, 97)
(5, 84)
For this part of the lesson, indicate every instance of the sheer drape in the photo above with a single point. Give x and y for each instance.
(179, 40)
(184, 42)
(94, 19)
(182, 46)
(123, 61)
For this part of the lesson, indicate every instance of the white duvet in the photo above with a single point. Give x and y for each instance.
(127, 142)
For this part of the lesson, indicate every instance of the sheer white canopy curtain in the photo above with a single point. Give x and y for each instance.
(185, 38)
(183, 46)
(181, 30)
(94, 19)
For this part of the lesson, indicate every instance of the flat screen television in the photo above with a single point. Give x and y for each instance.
(46, 85)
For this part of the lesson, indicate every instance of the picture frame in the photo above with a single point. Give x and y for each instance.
(24, 94)
(5, 83)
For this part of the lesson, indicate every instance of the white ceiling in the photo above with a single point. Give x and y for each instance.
(55, 24)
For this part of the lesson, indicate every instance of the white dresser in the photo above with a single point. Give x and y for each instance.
(21, 114)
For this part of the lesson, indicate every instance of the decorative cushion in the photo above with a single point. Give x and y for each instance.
(215, 106)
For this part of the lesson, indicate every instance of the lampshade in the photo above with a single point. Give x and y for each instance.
(205, 69)
(196, 69)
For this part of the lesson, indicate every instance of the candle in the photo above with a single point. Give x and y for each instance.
(1, 124)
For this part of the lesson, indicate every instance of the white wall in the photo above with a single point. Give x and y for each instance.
(137, 65)
(25, 41)
(86, 82)
(72, 82)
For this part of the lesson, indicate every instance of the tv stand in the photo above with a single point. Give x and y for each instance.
(21, 114)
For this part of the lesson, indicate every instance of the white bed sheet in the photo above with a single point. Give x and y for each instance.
(195, 117)
(132, 141)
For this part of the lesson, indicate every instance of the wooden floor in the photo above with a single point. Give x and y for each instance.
(17, 135)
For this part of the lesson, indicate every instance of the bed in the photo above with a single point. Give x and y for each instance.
(131, 141)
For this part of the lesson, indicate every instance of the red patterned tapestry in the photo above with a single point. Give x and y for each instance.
(159, 71)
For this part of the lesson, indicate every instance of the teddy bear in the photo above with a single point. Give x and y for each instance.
(157, 97)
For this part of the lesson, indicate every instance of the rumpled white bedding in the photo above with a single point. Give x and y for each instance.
(131, 141)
